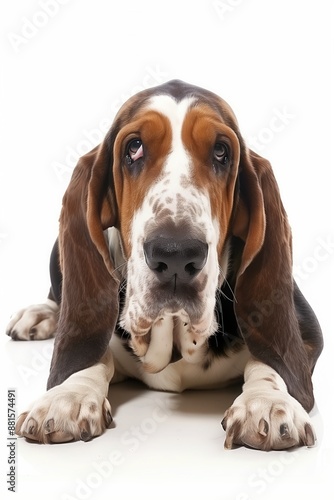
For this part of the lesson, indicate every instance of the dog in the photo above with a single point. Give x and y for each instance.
(173, 265)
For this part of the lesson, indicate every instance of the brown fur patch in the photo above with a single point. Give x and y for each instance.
(202, 128)
(155, 133)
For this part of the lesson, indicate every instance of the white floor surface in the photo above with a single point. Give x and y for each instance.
(163, 446)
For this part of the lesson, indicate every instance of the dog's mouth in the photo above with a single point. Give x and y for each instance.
(169, 310)
(171, 338)
(169, 321)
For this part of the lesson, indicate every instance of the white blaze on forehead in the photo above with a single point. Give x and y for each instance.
(175, 112)
(174, 186)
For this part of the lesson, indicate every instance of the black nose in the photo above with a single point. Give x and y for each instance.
(168, 257)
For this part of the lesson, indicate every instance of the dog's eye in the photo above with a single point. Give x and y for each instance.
(134, 151)
(221, 153)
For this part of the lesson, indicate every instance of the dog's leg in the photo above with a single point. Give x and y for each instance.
(265, 416)
(77, 409)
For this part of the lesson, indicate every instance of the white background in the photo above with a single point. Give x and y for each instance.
(66, 68)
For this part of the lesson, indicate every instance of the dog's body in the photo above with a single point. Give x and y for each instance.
(173, 266)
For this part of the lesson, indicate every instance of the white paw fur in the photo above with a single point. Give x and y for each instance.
(77, 409)
(36, 322)
(265, 416)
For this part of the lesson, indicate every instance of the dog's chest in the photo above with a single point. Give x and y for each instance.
(182, 374)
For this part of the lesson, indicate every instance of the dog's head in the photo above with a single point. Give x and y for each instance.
(176, 160)
(176, 180)
(176, 163)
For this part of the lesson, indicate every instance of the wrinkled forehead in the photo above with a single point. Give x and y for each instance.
(173, 100)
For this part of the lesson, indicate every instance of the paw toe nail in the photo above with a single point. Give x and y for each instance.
(284, 431)
(109, 419)
(20, 422)
(263, 427)
(224, 423)
(227, 446)
(310, 438)
(49, 426)
(85, 432)
(13, 334)
(32, 426)
(85, 435)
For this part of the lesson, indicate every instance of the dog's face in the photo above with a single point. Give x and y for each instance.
(175, 167)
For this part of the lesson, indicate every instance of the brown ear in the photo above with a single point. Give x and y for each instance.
(89, 304)
(264, 305)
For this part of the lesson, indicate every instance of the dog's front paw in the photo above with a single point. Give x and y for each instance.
(36, 322)
(66, 414)
(267, 421)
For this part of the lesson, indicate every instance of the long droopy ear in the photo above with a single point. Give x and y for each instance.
(264, 292)
(89, 305)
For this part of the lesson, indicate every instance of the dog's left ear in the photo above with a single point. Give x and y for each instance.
(264, 291)
(89, 302)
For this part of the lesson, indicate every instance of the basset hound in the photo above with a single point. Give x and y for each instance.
(174, 266)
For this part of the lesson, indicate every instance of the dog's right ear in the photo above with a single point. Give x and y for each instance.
(265, 304)
(89, 302)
